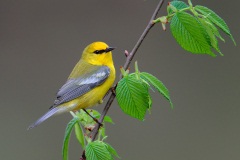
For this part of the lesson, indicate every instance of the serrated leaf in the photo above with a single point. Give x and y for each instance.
(214, 29)
(217, 20)
(112, 150)
(190, 34)
(79, 134)
(157, 84)
(213, 40)
(97, 151)
(67, 137)
(178, 5)
(132, 96)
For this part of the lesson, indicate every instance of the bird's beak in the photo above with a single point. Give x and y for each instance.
(110, 49)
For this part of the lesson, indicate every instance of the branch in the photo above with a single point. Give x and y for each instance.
(126, 65)
(145, 32)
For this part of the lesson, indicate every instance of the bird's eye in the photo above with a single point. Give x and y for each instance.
(99, 51)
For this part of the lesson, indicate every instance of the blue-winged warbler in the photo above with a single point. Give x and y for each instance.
(88, 83)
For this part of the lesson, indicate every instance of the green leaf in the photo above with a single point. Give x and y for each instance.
(132, 96)
(157, 84)
(102, 131)
(79, 134)
(97, 150)
(149, 102)
(178, 5)
(93, 112)
(214, 29)
(84, 117)
(112, 150)
(213, 17)
(67, 137)
(213, 40)
(190, 34)
(108, 119)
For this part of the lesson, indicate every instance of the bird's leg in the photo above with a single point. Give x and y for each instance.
(95, 119)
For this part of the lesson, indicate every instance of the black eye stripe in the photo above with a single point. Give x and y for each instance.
(100, 51)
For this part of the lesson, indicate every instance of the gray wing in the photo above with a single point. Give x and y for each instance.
(76, 87)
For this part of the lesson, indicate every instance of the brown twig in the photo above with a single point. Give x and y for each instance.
(126, 65)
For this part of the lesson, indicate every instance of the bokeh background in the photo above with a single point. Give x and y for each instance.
(40, 42)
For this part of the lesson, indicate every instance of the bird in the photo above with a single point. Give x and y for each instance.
(88, 83)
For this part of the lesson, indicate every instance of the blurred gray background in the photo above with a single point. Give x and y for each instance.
(41, 41)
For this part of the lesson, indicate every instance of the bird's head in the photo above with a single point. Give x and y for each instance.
(98, 53)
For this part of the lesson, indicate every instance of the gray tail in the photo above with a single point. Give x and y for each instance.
(50, 113)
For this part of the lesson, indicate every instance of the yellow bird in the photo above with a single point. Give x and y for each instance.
(88, 83)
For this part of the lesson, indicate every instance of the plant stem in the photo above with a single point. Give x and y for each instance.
(181, 10)
(145, 32)
(126, 65)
